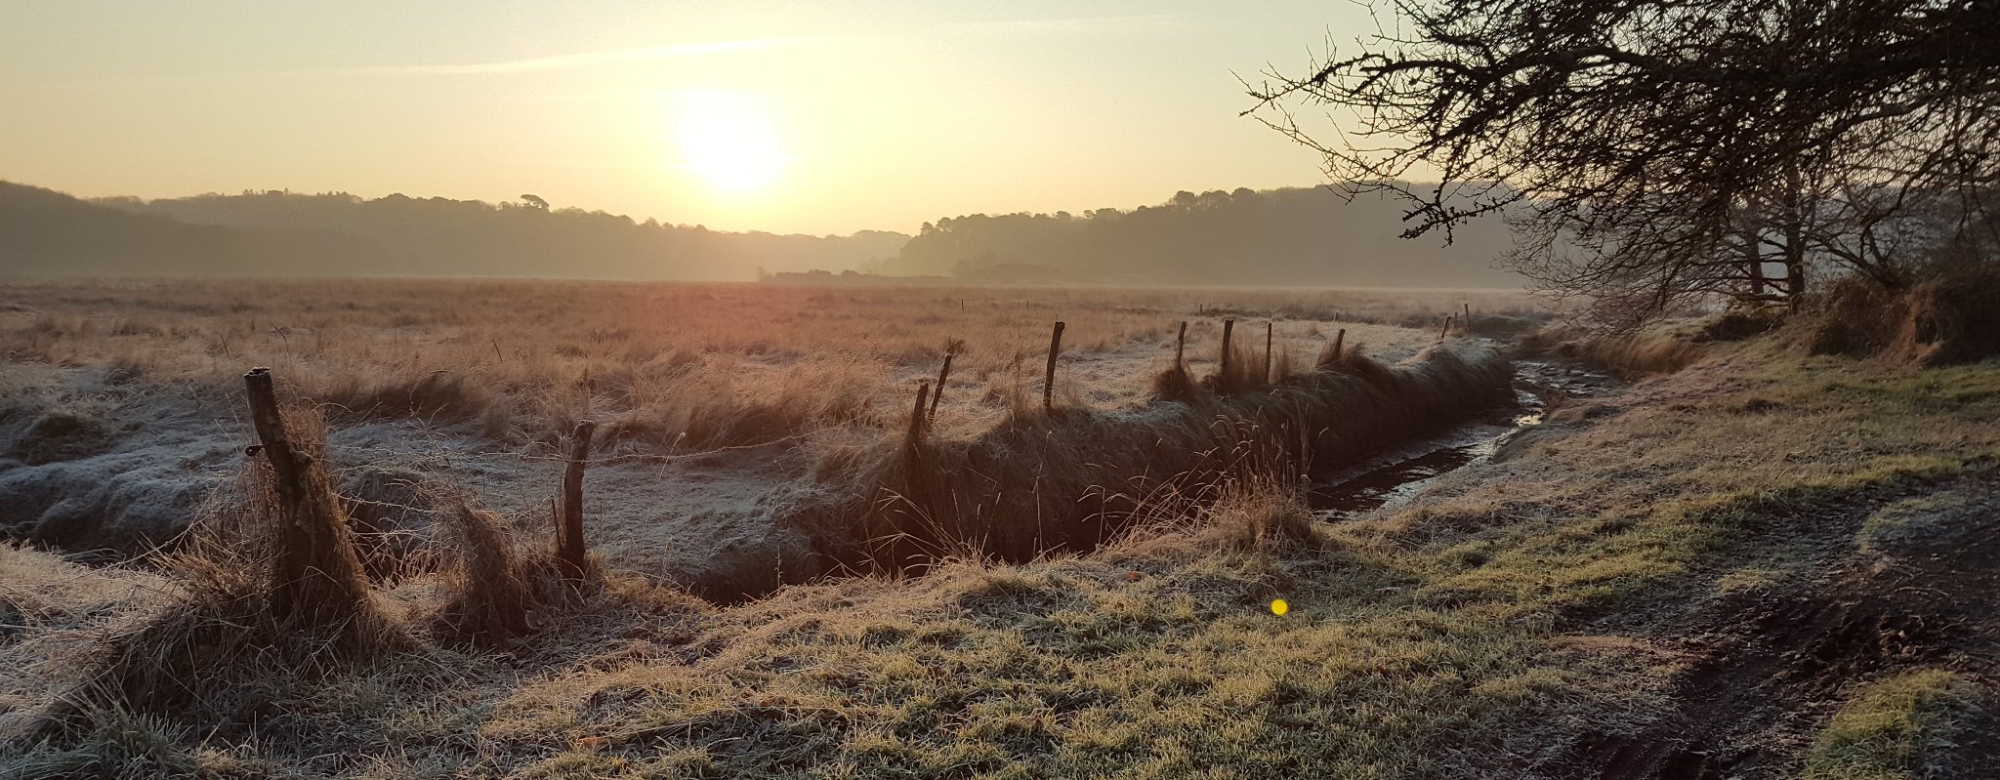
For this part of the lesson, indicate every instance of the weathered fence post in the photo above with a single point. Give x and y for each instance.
(1049, 383)
(315, 567)
(1267, 351)
(1180, 349)
(944, 374)
(1467, 322)
(570, 549)
(917, 416)
(1222, 372)
(271, 438)
(1446, 330)
(1338, 338)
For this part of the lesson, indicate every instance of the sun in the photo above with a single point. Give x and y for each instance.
(729, 140)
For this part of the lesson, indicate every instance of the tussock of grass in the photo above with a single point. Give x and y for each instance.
(61, 435)
(248, 596)
(495, 588)
(392, 514)
(1892, 728)
(1625, 356)
(1261, 515)
(436, 395)
(1946, 318)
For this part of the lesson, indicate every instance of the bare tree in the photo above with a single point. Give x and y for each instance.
(1651, 151)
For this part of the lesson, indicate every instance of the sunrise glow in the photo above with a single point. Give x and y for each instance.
(728, 139)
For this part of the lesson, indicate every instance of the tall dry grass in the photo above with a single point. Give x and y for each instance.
(1071, 480)
(662, 365)
(1947, 317)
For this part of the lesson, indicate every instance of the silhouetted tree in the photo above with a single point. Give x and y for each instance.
(535, 201)
(1652, 150)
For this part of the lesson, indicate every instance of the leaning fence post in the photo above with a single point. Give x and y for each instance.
(944, 374)
(1442, 332)
(1180, 349)
(1049, 383)
(1337, 339)
(270, 424)
(1222, 375)
(315, 566)
(1267, 351)
(570, 550)
(917, 415)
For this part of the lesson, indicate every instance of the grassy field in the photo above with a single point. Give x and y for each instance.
(675, 364)
(1759, 565)
(726, 414)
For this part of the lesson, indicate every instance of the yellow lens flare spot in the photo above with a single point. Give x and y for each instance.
(1279, 607)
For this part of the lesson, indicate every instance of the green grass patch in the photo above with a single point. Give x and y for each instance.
(1891, 728)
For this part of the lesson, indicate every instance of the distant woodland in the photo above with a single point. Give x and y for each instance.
(1287, 236)
(1270, 237)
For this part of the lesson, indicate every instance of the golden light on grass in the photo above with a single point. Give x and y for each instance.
(728, 139)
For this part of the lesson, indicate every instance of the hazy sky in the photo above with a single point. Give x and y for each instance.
(811, 116)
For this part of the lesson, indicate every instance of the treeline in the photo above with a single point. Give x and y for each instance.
(1271, 237)
(337, 234)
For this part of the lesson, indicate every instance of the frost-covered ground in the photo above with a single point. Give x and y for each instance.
(120, 406)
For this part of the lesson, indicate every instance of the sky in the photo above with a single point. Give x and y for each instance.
(814, 117)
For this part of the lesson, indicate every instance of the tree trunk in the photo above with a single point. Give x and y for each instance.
(1794, 230)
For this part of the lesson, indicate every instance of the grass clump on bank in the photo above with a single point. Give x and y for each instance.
(1887, 731)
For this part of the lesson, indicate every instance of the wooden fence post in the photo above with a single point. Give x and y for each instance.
(1180, 349)
(1049, 383)
(917, 416)
(1222, 373)
(315, 567)
(1267, 351)
(1467, 322)
(944, 374)
(1337, 345)
(570, 548)
(1442, 332)
(270, 424)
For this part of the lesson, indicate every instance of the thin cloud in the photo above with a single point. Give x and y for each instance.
(1081, 24)
(577, 60)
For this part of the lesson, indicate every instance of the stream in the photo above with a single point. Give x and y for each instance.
(1392, 478)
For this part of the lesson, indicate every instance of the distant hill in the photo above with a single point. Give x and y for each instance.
(445, 237)
(1270, 237)
(46, 232)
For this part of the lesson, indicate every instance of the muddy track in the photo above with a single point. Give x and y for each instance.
(1768, 669)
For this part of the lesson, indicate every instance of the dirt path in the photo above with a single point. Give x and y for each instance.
(1763, 671)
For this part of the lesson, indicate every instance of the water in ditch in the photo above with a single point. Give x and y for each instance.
(1394, 477)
